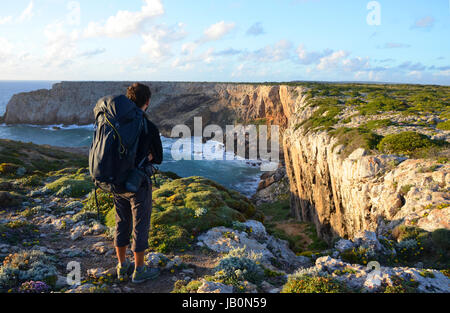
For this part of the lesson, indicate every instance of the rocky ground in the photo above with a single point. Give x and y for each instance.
(204, 238)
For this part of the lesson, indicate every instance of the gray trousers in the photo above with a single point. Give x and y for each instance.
(133, 213)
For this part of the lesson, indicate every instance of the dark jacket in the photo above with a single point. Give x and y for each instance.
(149, 143)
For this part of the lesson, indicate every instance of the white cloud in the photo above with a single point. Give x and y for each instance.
(92, 53)
(153, 47)
(157, 42)
(5, 20)
(369, 76)
(425, 23)
(28, 13)
(125, 23)
(188, 61)
(332, 61)
(60, 48)
(271, 53)
(415, 74)
(355, 64)
(313, 57)
(188, 48)
(445, 73)
(218, 31)
(6, 48)
(256, 30)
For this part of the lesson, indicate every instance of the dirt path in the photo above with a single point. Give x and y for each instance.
(201, 263)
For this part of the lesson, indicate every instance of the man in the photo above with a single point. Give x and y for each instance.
(133, 210)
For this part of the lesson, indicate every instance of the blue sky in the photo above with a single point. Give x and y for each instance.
(216, 40)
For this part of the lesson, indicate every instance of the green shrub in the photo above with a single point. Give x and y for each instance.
(376, 124)
(441, 237)
(181, 286)
(25, 266)
(405, 189)
(400, 285)
(444, 125)
(354, 138)
(403, 232)
(308, 284)
(231, 270)
(404, 143)
(105, 203)
(356, 256)
(166, 238)
(382, 104)
(34, 180)
(324, 117)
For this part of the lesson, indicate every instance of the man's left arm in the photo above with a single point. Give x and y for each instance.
(156, 149)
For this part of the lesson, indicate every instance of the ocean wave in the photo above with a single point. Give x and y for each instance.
(52, 127)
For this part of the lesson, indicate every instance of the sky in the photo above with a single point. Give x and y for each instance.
(403, 41)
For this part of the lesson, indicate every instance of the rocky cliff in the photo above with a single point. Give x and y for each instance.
(339, 179)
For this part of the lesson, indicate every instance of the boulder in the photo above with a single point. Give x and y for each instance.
(213, 287)
(254, 241)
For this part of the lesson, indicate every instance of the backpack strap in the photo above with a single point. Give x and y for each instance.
(121, 146)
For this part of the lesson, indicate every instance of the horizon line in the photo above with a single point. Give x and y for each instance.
(233, 82)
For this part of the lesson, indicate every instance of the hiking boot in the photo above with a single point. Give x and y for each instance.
(146, 273)
(125, 271)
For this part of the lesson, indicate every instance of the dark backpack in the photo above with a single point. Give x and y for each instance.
(112, 156)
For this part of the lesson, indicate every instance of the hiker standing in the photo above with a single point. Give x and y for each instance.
(125, 146)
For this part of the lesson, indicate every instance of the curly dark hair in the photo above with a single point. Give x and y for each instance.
(139, 94)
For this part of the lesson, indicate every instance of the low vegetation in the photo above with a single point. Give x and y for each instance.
(311, 284)
(354, 138)
(330, 101)
(408, 143)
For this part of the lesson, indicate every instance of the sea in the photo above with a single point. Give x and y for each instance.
(238, 174)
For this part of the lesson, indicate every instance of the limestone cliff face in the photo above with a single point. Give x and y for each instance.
(172, 103)
(341, 195)
(346, 195)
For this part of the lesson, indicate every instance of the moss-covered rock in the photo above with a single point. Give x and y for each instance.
(9, 199)
(75, 186)
(8, 169)
(185, 207)
(34, 180)
(18, 231)
(444, 125)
